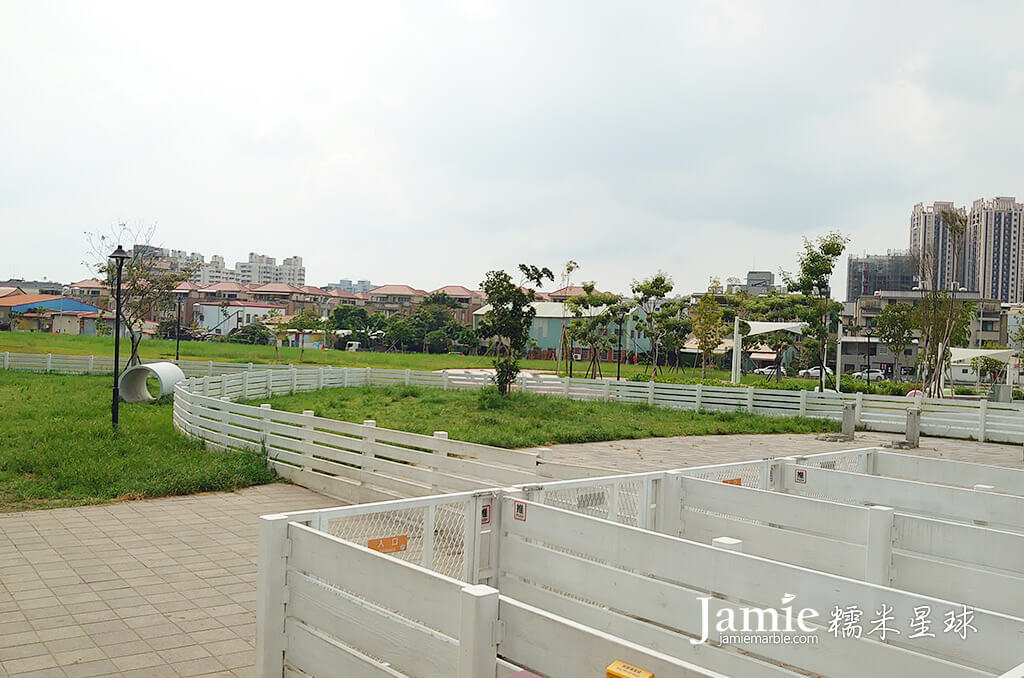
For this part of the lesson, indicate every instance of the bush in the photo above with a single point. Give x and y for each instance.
(964, 391)
(1018, 394)
(890, 388)
(489, 398)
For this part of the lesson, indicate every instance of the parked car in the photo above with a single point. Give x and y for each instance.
(769, 370)
(814, 372)
(873, 374)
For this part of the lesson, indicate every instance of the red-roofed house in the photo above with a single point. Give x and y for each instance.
(391, 299)
(468, 301)
(566, 292)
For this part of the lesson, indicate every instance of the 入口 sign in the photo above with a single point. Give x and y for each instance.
(389, 544)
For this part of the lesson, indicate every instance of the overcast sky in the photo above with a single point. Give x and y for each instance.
(429, 142)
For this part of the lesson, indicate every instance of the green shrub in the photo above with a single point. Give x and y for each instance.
(965, 391)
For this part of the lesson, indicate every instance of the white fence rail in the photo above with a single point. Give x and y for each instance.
(642, 589)
(980, 420)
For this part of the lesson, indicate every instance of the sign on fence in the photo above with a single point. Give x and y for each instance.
(389, 544)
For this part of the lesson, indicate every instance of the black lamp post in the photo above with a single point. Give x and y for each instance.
(618, 361)
(869, 332)
(120, 256)
(177, 334)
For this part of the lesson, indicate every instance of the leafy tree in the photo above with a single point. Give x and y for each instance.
(508, 320)
(778, 342)
(894, 327)
(591, 322)
(941, 321)
(145, 288)
(306, 320)
(648, 296)
(674, 323)
(253, 333)
(817, 262)
(707, 328)
(987, 368)
(349, 317)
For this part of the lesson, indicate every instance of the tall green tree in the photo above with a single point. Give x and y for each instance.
(648, 295)
(506, 323)
(817, 262)
(894, 327)
(591, 322)
(673, 320)
(707, 327)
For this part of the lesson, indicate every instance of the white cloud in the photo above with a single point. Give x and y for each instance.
(429, 143)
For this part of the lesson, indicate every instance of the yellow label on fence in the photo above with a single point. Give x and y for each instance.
(620, 669)
(733, 481)
(389, 544)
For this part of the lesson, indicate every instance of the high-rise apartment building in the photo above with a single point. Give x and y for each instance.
(895, 270)
(994, 249)
(940, 261)
(258, 270)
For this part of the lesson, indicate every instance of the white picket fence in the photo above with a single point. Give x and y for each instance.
(979, 420)
(630, 555)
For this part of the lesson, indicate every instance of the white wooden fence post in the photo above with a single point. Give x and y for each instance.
(427, 538)
(294, 376)
(209, 368)
(344, 377)
(92, 360)
(408, 373)
(308, 426)
(650, 392)
(859, 411)
(272, 564)
(49, 362)
(803, 403)
(982, 414)
(699, 401)
(668, 509)
(7, 360)
(320, 379)
(369, 440)
(750, 400)
(444, 379)
(479, 632)
(265, 425)
(878, 562)
(269, 374)
(607, 395)
(643, 504)
(765, 481)
(369, 377)
(565, 387)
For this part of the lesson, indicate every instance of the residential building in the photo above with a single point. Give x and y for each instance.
(546, 332)
(39, 309)
(994, 249)
(467, 302)
(90, 290)
(988, 323)
(351, 287)
(261, 269)
(391, 299)
(223, 317)
(8, 291)
(938, 261)
(34, 286)
(870, 273)
(861, 352)
(756, 283)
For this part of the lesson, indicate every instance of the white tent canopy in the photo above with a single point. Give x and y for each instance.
(756, 327)
(963, 356)
(763, 327)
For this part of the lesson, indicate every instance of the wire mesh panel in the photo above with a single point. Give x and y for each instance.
(843, 461)
(747, 474)
(432, 536)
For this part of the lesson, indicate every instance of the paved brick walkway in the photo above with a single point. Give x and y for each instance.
(652, 454)
(145, 588)
(167, 587)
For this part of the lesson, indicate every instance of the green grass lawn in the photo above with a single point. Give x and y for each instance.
(57, 448)
(36, 342)
(527, 420)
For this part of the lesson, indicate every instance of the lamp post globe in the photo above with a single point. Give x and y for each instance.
(119, 256)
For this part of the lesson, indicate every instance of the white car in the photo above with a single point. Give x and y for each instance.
(876, 375)
(769, 371)
(814, 372)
